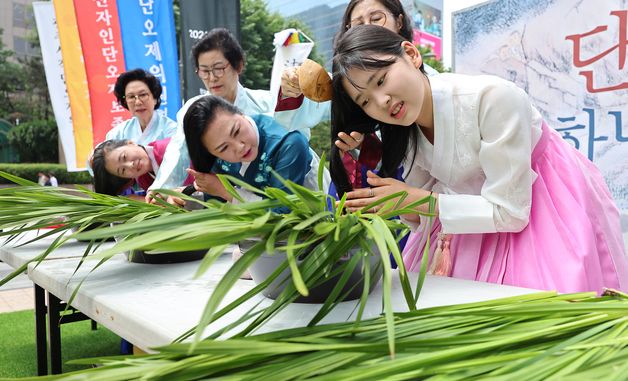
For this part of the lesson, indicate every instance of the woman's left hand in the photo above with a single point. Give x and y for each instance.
(380, 188)
(209, 183)
(347, 142)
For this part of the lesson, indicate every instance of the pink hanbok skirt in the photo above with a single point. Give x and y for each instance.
(573, 241)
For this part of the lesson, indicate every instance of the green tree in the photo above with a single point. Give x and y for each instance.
(430, 59)
(320, 140)
(23, 88)
(10, 81)
(35, 141)
(258, 28)
(36, 98)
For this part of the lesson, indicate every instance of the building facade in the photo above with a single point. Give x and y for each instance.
(18, 24)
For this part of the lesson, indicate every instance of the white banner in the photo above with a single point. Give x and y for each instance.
(53, 66)
(287, 54)
(571, 57)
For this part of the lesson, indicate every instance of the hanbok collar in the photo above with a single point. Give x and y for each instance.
(241, 99)
(150, 150)
(245, 165)
(149, 125)
(443, 109)
(244, 101)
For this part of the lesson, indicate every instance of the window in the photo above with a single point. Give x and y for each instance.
(19, 15)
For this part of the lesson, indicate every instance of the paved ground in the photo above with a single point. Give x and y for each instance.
(17, 295)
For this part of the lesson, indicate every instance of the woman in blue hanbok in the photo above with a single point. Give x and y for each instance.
(222, 140)
(219, 59)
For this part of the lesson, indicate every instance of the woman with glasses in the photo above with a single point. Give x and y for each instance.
(219, 61)
(139, 92)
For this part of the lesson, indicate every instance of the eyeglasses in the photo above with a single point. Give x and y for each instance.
(374, 18)
(217, 71)
(139, 97)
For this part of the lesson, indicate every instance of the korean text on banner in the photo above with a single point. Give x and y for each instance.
(149, 42)
(53, 67)
(574, 71)
(75, 79)
(99, 30)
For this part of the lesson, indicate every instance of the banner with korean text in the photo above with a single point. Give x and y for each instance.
(148, 39)
(75, 81)
(97, 44)
(99, 30)
(574, 70)
(53, 67)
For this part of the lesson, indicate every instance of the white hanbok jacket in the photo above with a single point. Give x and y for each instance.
(485, 130)
(160, 127)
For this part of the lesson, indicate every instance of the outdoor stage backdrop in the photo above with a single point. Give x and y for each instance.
(571, 58)
(98, 40)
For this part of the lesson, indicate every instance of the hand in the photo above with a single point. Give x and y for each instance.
(347, 142)
(210, 184)
(151, 196)
(382, 187)
(176, 201)
(290, 83)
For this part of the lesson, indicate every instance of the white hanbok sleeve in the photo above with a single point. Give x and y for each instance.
(505, 117)
(172, 171)
(419, 178)
(169, 127)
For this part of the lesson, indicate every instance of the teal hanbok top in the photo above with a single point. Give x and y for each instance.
(172, 172)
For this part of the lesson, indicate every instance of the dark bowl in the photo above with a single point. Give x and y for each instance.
(140, 256)
(266, 264)
(93, 226)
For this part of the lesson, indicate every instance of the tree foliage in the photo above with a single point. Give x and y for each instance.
(430, 59)
(35, 141)
(35, 101)
(258, 28)
(10, 74)
(23, 87)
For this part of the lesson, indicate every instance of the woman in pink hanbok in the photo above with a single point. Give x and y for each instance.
(515, 203)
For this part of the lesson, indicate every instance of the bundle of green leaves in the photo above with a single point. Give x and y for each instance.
(540, 336)
(314, 223)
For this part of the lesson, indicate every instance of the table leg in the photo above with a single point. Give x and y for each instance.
(40, 331)
(54, 333)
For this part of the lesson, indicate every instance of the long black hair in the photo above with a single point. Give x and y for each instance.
(105, 182)
(359, 47)
(196, 121)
